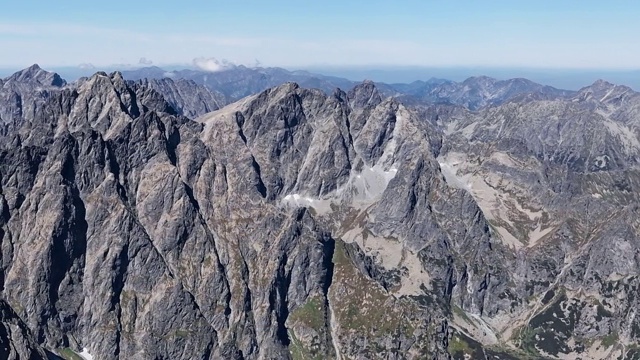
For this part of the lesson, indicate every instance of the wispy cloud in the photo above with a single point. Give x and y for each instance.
(212, 64)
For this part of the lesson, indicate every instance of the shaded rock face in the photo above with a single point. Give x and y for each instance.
(295, 224)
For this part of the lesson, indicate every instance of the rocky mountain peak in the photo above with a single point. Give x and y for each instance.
(364, 94)
(601, 84)
(24, 91)
(37, 76)
(116, 75)
(605, 92)
(482, 81)
(186, 96)
(286, 88)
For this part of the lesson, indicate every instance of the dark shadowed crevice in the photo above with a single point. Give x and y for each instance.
(210, 237)
(120, 267)
(328, 247)
(173, 139)
(68, 248)
(240, 123)
(5, 340)
(134, 110)
(207, 352)
(248, 329)
(259, 184)
(279, 302)
(189, 190)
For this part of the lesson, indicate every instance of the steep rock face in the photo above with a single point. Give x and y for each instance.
(290, 224)
(295, 224)
(369, 176)
(16, 341)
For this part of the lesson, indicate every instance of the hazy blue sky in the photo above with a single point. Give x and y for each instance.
(546, 34)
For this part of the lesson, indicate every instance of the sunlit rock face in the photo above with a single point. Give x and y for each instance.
(296, 224)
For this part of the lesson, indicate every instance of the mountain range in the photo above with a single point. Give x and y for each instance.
(239, 81)
(240, 215)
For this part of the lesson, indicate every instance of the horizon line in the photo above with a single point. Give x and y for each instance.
(370, 67)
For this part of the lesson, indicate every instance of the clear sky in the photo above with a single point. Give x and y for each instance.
(515, 33)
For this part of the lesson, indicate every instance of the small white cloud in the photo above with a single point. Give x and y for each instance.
(145, 61)
(86, 66)
(212, 64)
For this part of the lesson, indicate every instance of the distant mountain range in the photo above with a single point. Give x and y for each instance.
(572, 79)
(194, 93)
(238, 82)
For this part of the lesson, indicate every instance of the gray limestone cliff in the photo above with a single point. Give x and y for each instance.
(296, 224)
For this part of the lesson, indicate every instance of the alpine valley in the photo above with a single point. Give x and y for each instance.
(268, 214)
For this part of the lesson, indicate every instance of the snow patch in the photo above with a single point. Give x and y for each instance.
(362, 188)
(85, 354)
(360, 191)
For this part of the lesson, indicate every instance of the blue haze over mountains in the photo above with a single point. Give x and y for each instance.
(571, 79)
(237, 82)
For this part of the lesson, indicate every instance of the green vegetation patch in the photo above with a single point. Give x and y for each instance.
(69, 354)
(527, 337)
(311, 314)
(610, 340)
(299, 352)
(551, 329)
(463, 347)
(461, 313)
(364, 306)
(457, 345)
